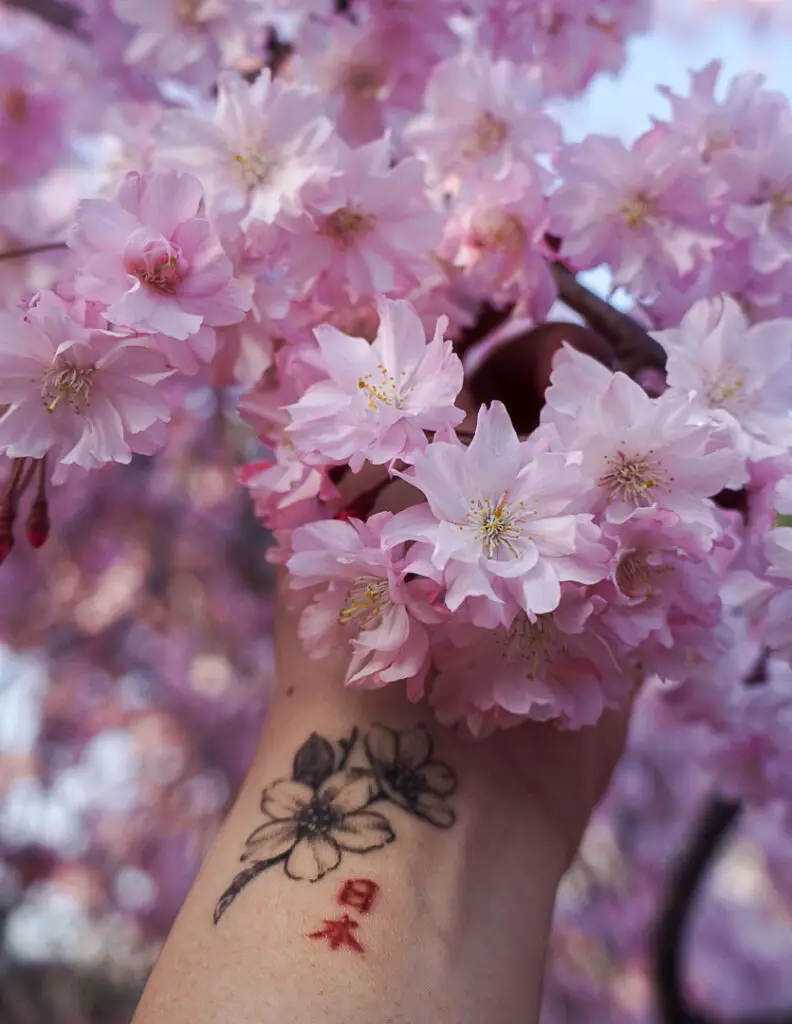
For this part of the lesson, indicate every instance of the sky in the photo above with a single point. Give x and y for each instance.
(622, 106)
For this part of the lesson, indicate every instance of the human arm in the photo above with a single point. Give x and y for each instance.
(459, 926)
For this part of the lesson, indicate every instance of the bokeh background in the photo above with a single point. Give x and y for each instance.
(135, 669)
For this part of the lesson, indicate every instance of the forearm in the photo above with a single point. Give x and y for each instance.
(465, 878)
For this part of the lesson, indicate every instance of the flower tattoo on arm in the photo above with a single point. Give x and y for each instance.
(325, 809)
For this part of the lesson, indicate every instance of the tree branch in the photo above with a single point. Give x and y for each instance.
(57, 12)
(635, 348)
(717, 822)
(32, 250)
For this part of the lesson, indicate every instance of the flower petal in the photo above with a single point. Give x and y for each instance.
(284, 797)
(366, 830)
(434, 809)
(439, 778)
(349, 791)
(270, 840)
(415, 746)
(381, 744)
(311, 859)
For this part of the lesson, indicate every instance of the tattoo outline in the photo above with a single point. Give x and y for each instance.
(324, 809)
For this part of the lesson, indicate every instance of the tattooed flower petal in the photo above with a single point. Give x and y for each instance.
(311, 859)
(364, 831)
(415, 746)
(439, 778)
(270, 840)
(382, 744)
(284, 798)
(433, 807)
(408, 777)
(348, 791)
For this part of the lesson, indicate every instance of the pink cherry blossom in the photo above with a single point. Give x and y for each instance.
(744, 119)
(367, 228)
(32, 128)
(503, 523)
(361, 597)
(660, 564)
(157, 266)
(481, 116)
(354, 67)
(772, 608)
(760, 211)
(495, 236)
(644, 210)
(78, 392)
(735, 372)
(571, 42)
(264, 141)
(644, 452)
(378, 398)
(557, 666)
(189, 39)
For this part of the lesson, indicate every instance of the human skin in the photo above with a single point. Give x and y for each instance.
(460, 925)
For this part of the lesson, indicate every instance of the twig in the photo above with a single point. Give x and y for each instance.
(718, 821)
(57, 12)
(32, 250)
(634, 347)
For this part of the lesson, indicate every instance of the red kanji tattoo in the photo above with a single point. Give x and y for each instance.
(358, 893)
(339, 932)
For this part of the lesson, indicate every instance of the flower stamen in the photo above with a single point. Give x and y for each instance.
(386, 391)
(163, 276)
(634, 479)
(634, 575)
(255, 169)
(533, 643)
(346, 225)
(636, 210)
(69, 382)
(487, 136)
(364, 601)
(497, 526)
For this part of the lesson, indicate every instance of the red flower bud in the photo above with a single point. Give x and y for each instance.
(37, 527)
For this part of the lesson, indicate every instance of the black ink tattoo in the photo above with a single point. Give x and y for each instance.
(323, 810)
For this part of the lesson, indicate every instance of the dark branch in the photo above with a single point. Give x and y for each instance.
(56, 12)
(33, 250)
(719, 819)
(634, 347)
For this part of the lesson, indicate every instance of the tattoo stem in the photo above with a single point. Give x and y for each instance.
(242, 880)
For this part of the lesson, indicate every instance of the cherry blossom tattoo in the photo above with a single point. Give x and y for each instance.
(325, 809)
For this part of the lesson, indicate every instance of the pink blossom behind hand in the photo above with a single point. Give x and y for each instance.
(80, 393)
(379, 398)
(157, 266)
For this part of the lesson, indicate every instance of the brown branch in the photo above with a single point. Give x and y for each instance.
(32, 250)
(57, 12)
(634, 347)
(718, 821)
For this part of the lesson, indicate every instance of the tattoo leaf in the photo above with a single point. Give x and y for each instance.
(314, 761)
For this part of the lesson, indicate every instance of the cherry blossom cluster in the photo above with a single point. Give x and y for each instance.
(309, 207)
